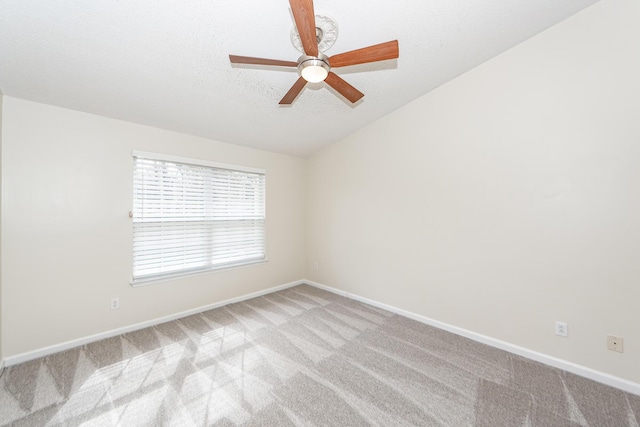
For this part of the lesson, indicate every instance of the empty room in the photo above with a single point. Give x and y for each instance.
(320, 213)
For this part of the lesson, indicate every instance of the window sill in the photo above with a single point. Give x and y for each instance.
(151, 281)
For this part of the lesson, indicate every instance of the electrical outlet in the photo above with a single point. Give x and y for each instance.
(115, 303)
(562, 329)
(615, 343)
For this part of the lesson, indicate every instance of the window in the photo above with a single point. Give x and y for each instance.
(192, 216)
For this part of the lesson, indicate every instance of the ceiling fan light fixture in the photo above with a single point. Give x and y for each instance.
(314, 69)
(311, 33)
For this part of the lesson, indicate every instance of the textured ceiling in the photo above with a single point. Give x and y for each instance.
(165, 63)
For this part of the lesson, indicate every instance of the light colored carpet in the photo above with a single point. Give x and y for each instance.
(301, 357)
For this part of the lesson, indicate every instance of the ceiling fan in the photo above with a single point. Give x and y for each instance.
(314, 66)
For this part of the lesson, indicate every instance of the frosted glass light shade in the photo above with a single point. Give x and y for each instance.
(314, 74)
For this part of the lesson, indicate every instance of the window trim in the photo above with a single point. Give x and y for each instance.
(190, 273)
(195, 162)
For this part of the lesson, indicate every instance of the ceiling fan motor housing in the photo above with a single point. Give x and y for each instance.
(314, 69)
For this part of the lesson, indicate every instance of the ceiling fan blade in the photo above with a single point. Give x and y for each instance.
(293, 92)
(306, 24)
(378, 52)
(344, 88)
(235, 59)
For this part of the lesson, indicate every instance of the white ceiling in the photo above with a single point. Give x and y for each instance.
(165, 63)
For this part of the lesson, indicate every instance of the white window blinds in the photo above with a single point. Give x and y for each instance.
(190, 217)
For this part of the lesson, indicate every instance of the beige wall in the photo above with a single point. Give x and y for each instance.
(1, 311)
(505, 200)
(66, 235)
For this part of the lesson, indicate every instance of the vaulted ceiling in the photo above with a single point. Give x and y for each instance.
(165, 63)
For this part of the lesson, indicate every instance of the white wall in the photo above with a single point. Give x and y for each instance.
(505, 200)
(66, 234)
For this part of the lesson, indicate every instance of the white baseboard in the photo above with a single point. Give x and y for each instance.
(574, 368)
(1, 367)
(45, 351)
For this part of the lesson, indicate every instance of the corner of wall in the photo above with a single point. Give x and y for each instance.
(1, 194)
(507, 198)
(53, 174)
